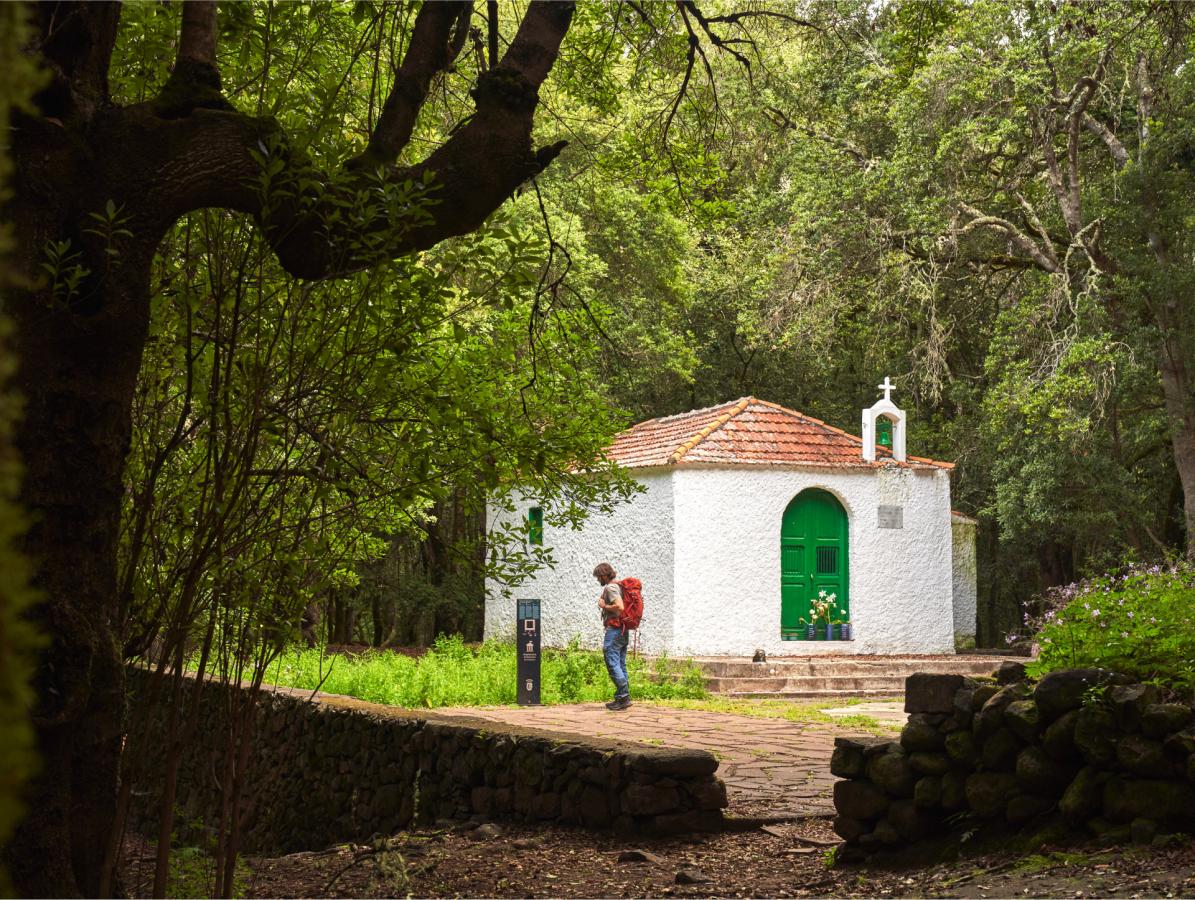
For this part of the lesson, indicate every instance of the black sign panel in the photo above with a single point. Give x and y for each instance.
(527, 644)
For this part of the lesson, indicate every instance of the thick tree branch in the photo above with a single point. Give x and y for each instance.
(75, 40)
(1120, 153)
(430, 52)
(195, 81)
(197, 38)
(322, 225)
(1034, 221)
(1045, 258)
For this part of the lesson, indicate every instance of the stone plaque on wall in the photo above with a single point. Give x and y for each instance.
(891, 517)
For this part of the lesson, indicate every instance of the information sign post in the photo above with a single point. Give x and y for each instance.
(527, 642)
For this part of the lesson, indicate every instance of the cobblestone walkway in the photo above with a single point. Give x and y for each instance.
(770, 766)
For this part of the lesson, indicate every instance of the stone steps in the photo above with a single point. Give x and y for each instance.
(832, 677)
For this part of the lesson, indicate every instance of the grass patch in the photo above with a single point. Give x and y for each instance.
(1039, 862)
(453, 674)
(788, 710)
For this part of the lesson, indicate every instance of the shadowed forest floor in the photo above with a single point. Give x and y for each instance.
(783, 861)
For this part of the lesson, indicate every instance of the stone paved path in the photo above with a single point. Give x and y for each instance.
(770, 766)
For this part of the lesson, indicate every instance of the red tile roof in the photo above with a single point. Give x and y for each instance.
(744, 432)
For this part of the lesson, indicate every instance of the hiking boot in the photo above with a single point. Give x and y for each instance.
(619, 703)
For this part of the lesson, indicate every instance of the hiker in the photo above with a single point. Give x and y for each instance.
(614, 642)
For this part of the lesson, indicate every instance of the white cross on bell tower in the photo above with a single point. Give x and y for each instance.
(885, 409)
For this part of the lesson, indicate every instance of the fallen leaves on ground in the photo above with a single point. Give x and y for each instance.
(787, 860)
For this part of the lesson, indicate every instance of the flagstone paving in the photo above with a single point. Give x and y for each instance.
(770, 766)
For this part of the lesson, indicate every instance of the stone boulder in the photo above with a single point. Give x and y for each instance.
(1083, 797)
(1169, 802)
(1010, 673)
(892, 773)
(929, 763)
(1038, 774)
(960, 747)
(1064, 690)
(1129, 702)
(673, 761)
(849, 829)
(999, 751)
(847, 760)
(860, 800)
(1023, 719)
(990, 718)
(919, 734)
(931, 693)
(981, 695)
(910, 823)
(1026, 807)
(1161, 719)
(927, 793)
(963, 713)
(1181, 743)
(954, 790)
(709, 795)
(988, 792)
(1142, 756)
(1058, 740)
(1095, 735)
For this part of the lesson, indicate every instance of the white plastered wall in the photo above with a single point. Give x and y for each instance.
(728, 559)
(965, 576)
(636, 538)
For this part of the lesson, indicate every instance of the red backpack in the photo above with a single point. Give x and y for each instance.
(632, 603)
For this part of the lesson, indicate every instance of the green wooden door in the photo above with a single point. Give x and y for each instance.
(813, 557)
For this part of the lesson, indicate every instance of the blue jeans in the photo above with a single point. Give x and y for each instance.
(614, 645)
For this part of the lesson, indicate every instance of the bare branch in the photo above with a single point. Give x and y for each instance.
(733, 18)
(1045, 258)
(1120, 153)
(1145, 100)
(1034, 221)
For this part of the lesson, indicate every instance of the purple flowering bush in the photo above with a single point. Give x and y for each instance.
(1141, 622)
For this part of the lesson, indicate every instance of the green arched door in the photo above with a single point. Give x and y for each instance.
(813, 557)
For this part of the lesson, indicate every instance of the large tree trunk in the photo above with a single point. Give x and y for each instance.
(78, 157)
(1180, 411)
(77, 374)
(79, 355)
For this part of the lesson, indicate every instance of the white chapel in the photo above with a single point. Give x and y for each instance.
(751, 518)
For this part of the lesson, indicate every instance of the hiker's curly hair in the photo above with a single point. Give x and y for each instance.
(604, 570)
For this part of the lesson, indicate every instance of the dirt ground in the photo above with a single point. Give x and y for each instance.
(787, 860)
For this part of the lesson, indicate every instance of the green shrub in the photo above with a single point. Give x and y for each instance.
(454, 674)
(1139, 623)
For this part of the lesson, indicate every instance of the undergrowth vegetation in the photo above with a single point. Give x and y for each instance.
(452, 673)
(1137, 622)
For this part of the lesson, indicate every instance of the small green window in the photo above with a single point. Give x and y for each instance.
(884, 432)
(535, 525)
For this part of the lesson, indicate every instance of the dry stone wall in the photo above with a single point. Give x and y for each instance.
(1082, 745)
(336, 769)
